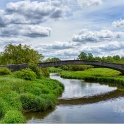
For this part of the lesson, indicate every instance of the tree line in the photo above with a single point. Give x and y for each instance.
(89, 56)
(20, 54)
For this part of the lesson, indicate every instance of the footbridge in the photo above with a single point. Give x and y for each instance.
(119, 67)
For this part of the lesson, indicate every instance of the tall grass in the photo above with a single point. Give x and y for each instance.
(19, 95)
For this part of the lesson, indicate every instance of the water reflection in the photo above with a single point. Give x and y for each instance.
(84, 102)
(79, 88)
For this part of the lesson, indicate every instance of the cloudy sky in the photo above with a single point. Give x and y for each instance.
(64, 28)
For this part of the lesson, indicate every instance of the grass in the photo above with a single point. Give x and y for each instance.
(95, 72)
(19, 95)
(54, 70)
(103, 75)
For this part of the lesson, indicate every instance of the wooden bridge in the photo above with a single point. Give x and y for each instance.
(119, 67)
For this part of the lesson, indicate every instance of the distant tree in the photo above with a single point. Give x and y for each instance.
(90, 56)
(97, 58)
(116, 57)
(82, 56)
(109, 59)
(20, 54)
(52, 59)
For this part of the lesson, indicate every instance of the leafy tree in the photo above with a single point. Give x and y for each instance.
(82, 56)
(116, 57)
(52, 59)
(90, 56)
(20, 54)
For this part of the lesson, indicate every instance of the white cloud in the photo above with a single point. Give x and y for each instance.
(118, 23)
(31, 12)
(96, 36)
(89, 3)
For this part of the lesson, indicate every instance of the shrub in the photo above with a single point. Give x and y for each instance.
(13, 116)
(4, 107)
(4, 71)
(31, 102)
(45, 72)
(26, 74)
(12, 98)
(34, 67)
(50, 100)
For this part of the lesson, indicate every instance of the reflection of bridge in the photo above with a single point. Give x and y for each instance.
(92, 99)
(119, 67)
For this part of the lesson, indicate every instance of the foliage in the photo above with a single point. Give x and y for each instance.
(31, 102)
(13, 116)
(45, 72)
(19, 54)
(17, 95)
(75, 67)
(26, 74)
(54, 69)
(52, 59)
(4, 71)
(95, 72)
(34, 67)
(113, 59)
(103, 75)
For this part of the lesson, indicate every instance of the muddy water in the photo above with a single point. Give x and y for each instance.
(84, 102)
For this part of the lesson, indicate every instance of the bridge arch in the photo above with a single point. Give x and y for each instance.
(119, 67)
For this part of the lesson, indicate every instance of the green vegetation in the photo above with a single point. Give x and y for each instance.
(22, 91)
(19, 54)
(103, 75)
(69, 68)
(112, 59)
(95, 72)
(4, 71)
(52, 59)
(75, 67)
(55, 69)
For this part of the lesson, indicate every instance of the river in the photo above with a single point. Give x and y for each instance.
(83, 102)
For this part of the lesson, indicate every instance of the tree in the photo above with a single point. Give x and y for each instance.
(82, 56)
(90, 56)
(52, 59)
(20, 54)
(116, 57)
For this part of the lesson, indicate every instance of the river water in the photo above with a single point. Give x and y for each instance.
(83, 102)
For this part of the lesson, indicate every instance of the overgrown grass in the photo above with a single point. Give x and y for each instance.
(19, 95)
(105, 75)
(54, 70)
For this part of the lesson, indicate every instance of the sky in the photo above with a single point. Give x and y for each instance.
(64, 28)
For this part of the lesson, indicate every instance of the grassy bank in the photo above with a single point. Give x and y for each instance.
(19, 95)
(105, 75)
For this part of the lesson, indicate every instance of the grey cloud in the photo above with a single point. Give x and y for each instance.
(32, 31)
(32, 12)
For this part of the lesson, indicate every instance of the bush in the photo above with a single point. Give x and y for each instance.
(4, 107)
(26, 74)
(13, 116)
(4, 71)
(31, 102)
(12, 98)
(34, 67)
(45, 72)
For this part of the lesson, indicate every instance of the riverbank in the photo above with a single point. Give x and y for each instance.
(102, 75)
(18, 96)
